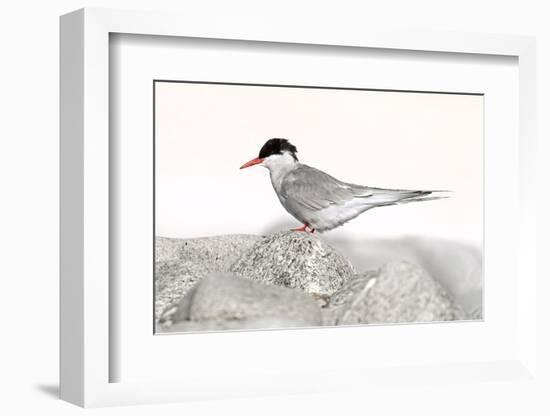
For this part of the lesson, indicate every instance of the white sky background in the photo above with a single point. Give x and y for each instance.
(383, 139)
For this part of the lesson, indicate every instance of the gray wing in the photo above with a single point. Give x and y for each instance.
(313, 189)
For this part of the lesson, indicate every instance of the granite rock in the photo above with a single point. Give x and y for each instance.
(214, 325)
(215, 254)
(295, 260)
(173, 279)
(226, 301)
(180, 263)
(395, 293)
(457, 266)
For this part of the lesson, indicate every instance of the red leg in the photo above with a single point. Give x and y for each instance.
(304, 228)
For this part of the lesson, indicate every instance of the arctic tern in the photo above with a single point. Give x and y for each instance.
(316, 199)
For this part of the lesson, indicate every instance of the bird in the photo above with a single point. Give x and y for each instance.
(318, 200)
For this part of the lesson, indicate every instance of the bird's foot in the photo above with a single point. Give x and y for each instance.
(304, 228)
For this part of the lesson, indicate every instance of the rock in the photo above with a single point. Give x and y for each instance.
(173, 279)
(295, 260)
(216, 325)
(216, 254)
(180, 263)
(457, 266)
(397, 292)
(226, 301)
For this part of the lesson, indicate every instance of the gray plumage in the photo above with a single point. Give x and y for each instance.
(319, 200)
(311, 195)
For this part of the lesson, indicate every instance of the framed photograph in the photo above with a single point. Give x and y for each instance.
(395, 163)
(375, 264)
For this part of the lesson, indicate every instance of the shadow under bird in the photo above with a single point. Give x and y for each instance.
(316, 199)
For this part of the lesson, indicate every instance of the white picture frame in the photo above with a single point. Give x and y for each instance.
(85, 223)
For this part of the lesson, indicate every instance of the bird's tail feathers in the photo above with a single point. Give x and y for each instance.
(426, 196)
(423, 198)
(392, 197)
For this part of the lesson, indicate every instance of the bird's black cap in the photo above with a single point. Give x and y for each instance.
(277, 146)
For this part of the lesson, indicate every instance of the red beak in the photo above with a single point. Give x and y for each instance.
(252, 162)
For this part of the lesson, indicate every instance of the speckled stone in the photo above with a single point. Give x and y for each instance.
(227, 325)
(180, 263)
(397, 292)
(226, 301)
(173, 279)
(295, 260)
(215, 253)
